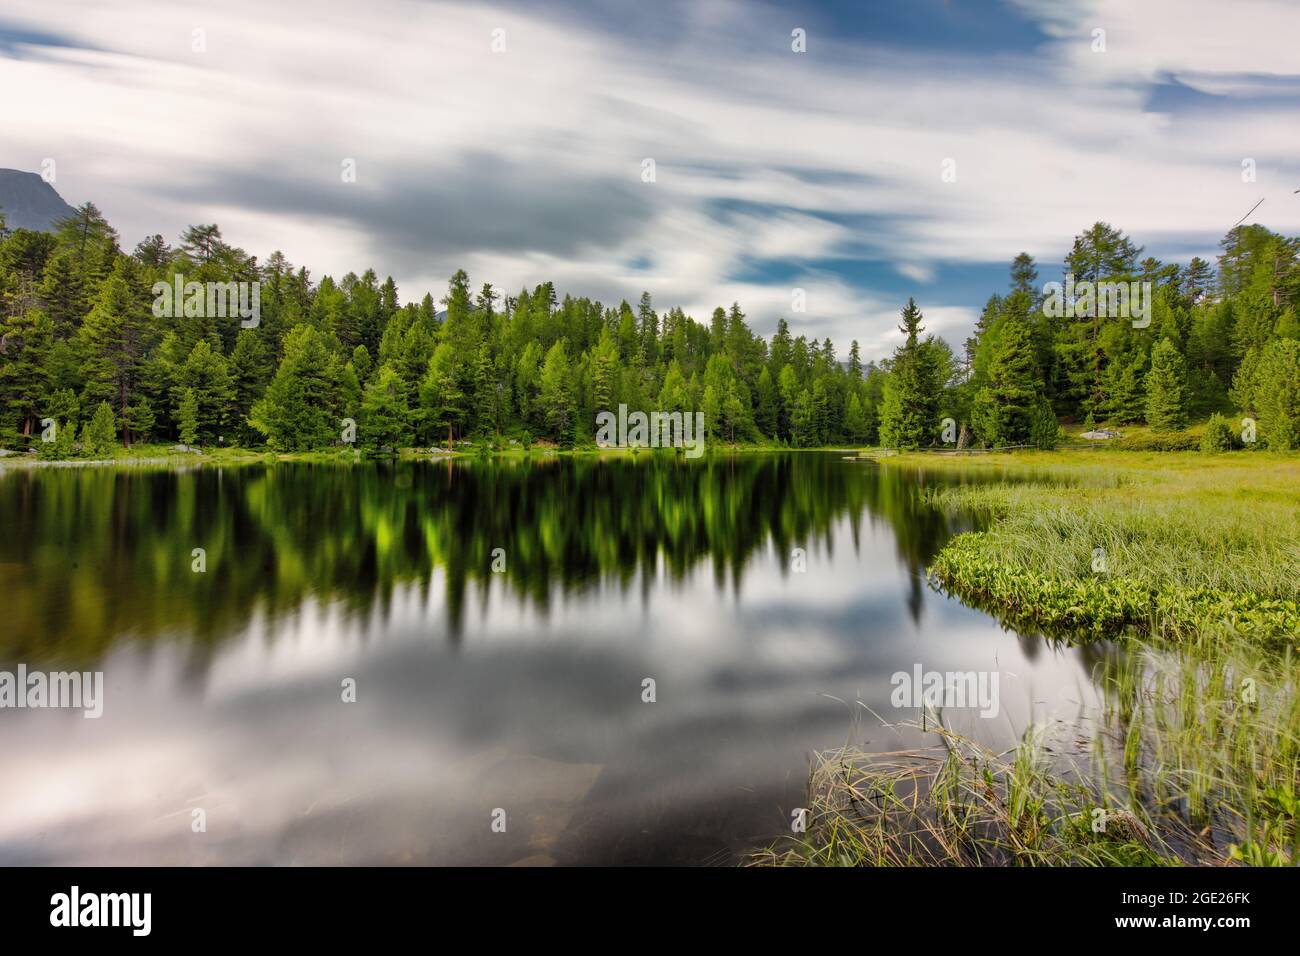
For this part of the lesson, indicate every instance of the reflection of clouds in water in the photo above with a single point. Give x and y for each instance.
(537, 711)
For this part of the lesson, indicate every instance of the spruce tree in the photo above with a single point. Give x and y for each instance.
(99, 438)
(139, 421)
(908, 417)
(248, 369)
(385, 415)
(1005, 409)
(1166, 408)
(187, 415)
(557, 394)
(25, 374)
(297, 411)
(112, 340)
(1277, 393)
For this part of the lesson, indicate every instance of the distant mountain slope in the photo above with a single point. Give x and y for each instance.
(29, 202)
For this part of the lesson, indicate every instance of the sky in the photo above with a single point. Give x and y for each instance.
(909, 149)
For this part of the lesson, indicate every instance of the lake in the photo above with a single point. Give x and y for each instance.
(438, 662)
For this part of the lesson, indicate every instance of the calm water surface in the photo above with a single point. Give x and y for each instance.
(475, 690)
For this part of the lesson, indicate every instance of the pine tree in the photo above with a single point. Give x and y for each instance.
(1100, 253)
(442, 400)
(1197, 280)
(90, 241)
(385, 415)
(1275, 394)
(605, 372)
(855, 421)
(64, 293)
(153, 252)
(1005, 410)
(649, 327)
(527, 381)
(188, 417)
(908, 416)
(556, 393)
(1024, 275)
(855, 361)
(1044, 429)
(139, 422)
(248, 375)
(64, 445)
(297, 411)
(362, 363)
(112, 340)
(788, 390)
(99, 439)
(202, 243)
(25, 374)
(674, 396)
(803, 422)
(1126, 390)
(1217, 436)
(206, 373)
(766, 407)
(1166, 409)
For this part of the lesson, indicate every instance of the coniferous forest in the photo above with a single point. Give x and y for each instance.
(82, 346)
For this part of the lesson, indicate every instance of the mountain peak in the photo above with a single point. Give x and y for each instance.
(29, 202)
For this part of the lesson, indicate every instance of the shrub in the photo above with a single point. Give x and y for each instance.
(64, 445)
(1217, 436)
(1164, 441)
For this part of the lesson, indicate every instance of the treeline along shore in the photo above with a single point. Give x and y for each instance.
(204, 344)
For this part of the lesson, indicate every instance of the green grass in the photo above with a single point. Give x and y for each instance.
(1195, 753)
(1100, 542)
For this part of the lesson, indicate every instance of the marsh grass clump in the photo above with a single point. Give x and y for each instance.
(1208, 731)
(959, 804)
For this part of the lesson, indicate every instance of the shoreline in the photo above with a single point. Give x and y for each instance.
(343, 457)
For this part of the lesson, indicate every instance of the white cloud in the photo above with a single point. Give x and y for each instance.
(470, 158)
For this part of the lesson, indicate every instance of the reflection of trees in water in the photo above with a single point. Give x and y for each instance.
(89, 555)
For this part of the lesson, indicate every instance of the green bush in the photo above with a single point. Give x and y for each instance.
(64, 446)
(1217, 436)
(1163, 441)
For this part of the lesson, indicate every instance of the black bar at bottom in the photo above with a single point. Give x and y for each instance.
(373, 905)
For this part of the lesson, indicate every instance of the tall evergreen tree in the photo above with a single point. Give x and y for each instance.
(1004, 410)
(1166, 409)
(297, 411)
(908, 416)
